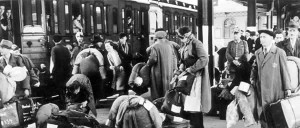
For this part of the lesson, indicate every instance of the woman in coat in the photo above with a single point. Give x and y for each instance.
(115, 62)
(194, 59)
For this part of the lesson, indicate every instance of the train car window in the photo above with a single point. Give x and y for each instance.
(167, 23)
(183, 20)
(92, 18)
(138, 21)
(175, 22)
(115, 20)
(105, 19)
(99, 19)
(132, 22)
(143, 18)
(123, 20)
(83, 17)
(129, 21)
(67, 18)
(55, 16)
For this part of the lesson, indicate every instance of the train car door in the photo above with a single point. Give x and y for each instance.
(33, 30)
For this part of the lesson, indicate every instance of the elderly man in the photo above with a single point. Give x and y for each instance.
(7, 58)
(291, 46)
(162, 67)
(269, 76)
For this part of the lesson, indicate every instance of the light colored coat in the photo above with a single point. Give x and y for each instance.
(271, 77)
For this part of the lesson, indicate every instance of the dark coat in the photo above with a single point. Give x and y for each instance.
(85, 86)
(161, 61)
(271, 77)
(194, 56)
(61, 59)
(287, 47)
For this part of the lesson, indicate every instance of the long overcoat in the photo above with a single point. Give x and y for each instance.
(271, 77)
(161, 61)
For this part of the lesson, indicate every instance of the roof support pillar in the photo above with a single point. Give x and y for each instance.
(251, 15)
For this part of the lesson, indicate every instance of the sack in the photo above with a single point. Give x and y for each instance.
(9, 116)
(139, 117)
(244, 87)
(173, 103)
(232, 115)
(286, 113)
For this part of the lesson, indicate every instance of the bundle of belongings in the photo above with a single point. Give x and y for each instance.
(285, 113)
(241, 95)
(8, 80)
(50, 115)
(139, 79)
(129, 111)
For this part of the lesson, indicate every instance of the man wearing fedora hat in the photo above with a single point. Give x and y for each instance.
(7, 58)
(269, 76)
(291, 46)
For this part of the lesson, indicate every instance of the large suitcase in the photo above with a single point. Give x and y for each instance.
(285, 113)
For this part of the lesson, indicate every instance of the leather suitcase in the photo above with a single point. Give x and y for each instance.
(286, 113)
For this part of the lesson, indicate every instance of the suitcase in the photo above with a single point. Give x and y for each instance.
(285, 113)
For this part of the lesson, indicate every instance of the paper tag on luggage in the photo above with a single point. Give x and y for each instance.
(52, 126)
(244, 87)
(175, 108)
(177, 119)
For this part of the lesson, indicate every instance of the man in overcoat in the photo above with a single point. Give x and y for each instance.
(291, 46)
(269, 76)
(161, 60)
(61, 72)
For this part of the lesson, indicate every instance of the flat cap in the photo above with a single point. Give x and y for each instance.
(267, 32)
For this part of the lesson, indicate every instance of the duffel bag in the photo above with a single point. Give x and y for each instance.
(285, 113)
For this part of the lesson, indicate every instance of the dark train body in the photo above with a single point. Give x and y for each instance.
(36, 21)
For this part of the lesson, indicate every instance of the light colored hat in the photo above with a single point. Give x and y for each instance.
(160, 34)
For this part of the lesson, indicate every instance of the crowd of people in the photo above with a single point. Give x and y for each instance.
(80, 71)
(260, 59)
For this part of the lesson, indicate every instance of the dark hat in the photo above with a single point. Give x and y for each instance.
(6, 44)
(278, 31)
(293, 24)
(97, 38)
(184, 30)
(267, 32)
(248, 31)
(57, 38)
(121, 35)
